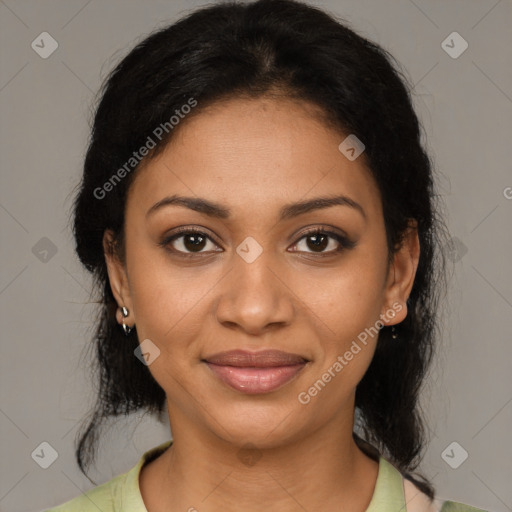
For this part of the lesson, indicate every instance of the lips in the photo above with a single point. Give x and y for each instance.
(262, 359)
(255, 372)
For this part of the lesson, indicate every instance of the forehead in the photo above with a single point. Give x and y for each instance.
(250, 153)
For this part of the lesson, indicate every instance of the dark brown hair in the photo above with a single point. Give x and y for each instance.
(252, 49)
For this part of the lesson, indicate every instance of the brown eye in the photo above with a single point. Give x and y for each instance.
(189, 241)
(194, 242)
(317, 242)
(323, 242)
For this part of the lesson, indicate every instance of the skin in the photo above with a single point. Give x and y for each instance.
(290, 298)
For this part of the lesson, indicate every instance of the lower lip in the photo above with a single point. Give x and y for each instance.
(255, 380)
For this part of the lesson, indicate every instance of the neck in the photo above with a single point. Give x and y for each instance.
(324, 471)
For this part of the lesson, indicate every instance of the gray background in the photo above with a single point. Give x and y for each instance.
(465, 104)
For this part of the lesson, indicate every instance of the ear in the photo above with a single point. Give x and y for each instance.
(118, 278)
(401, 274)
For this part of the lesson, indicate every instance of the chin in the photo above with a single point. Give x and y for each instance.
(266, 425)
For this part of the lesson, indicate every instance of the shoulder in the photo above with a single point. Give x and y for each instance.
(452, 506)
(121, 493)
(417, 501)
(102, 497)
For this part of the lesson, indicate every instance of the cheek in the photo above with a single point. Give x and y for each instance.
(168, 301)
(347, 340)
(169, 307)
(349, 298)
(347, 304)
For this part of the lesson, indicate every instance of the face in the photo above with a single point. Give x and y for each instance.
(257, 260)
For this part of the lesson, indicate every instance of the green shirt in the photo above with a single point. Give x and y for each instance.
(122, 493)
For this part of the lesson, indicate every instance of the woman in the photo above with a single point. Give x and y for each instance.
(258, 209)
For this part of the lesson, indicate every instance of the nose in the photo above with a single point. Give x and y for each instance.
(254, 297)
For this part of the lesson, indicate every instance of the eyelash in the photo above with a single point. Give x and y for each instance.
(344, 242)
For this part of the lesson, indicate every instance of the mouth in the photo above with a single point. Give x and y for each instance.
(255, 372)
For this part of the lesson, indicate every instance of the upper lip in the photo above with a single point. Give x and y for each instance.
(261, 359)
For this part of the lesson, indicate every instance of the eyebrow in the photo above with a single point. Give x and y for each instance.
(288, 211)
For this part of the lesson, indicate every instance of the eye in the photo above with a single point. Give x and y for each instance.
(319, 239)
(189, 241)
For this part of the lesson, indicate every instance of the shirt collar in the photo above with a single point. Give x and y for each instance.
(389, 489)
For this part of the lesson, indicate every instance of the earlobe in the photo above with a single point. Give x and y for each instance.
(117, 276)
(402, 272)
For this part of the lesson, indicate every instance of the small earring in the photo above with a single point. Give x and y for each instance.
(127, 330)
(394, 335)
